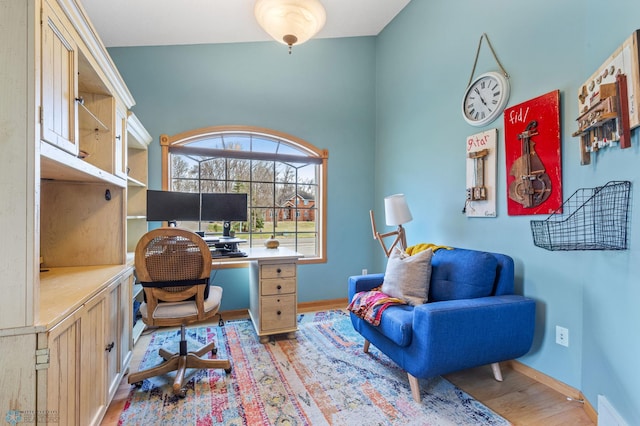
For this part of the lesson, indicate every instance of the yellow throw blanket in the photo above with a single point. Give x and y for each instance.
(425, 246)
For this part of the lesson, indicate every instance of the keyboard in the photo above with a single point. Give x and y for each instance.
(225, 253)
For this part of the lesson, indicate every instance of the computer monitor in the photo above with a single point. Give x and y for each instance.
(172, 206)
(224, 207)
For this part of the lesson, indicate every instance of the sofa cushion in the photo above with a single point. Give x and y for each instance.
(397, 324)
(407, 277)
(462, 274)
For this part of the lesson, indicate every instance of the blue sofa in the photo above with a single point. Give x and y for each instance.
(472, 318)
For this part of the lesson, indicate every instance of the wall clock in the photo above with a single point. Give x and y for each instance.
(485, 98)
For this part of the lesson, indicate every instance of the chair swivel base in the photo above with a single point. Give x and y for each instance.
(180, 362)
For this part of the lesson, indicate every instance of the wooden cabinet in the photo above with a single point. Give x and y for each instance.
(81, 223)
(96, 138)
(59, 85)
(273, 297)
(125, 326)
(92, 363)
(84, 356)
(138, 140)
(60, 375)
(118, 345)
(120, 141)
(65, 314)
(137, 175)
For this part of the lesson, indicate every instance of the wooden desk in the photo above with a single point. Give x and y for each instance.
(273, 292)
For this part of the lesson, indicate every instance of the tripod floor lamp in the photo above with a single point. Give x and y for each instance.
(396, 212)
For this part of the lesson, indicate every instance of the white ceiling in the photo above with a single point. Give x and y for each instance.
(167, 22)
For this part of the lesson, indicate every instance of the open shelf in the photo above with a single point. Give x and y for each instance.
(90, 120)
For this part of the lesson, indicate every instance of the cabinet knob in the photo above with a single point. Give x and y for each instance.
(109, 347)
(279, 270)
(279, 312)
(279, 287)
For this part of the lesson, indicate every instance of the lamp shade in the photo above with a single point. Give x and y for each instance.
(290, 21)
(396, 210)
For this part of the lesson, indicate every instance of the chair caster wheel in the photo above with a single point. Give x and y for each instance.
(137, 384)
(227, 370)
(181, 394)
(214, 351)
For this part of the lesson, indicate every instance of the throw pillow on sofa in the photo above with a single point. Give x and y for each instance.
(407, 277)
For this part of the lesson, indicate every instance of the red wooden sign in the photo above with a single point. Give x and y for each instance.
(532, 152)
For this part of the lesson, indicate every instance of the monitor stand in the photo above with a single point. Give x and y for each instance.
(226, 229)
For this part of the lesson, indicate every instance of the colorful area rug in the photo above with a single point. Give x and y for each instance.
(320, 378)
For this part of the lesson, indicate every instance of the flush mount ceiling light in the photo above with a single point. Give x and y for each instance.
(290, 22)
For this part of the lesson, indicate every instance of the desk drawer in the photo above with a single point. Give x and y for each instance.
(278, 312)
(278, 286)
(281, 270)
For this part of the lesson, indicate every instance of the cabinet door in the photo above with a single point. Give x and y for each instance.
(120, 147)
(112, 342)
(126, 322)
(59, 87)
(92, 361)
(117, 333)
(63, 374)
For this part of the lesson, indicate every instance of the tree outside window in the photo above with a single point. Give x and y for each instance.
(284, 179)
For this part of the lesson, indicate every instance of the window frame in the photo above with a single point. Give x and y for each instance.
(179, 142)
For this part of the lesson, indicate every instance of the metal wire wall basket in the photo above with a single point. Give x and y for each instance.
(591, 219)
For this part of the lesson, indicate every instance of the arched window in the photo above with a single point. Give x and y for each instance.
(283, 176)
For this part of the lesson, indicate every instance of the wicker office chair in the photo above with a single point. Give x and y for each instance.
(174, 266)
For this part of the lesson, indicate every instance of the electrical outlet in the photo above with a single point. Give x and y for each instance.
(562, 336)
(364, 271)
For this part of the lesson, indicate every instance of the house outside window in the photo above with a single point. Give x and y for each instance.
(283, 176)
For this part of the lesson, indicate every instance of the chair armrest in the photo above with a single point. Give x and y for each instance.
(458, 334)
(360, 283)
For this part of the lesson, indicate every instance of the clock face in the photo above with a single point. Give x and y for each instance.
(485, 99)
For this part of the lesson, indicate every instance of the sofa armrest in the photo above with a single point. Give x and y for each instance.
(358, 283)
(458, 334)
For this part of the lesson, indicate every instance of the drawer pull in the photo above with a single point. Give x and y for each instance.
(279, 287)
(279, 312)
(109, 347)
(279, 270)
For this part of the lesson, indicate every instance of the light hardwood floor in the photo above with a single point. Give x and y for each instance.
(519, 398)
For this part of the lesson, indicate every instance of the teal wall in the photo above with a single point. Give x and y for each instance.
(424, 60)
(323, 93)
(388, 110)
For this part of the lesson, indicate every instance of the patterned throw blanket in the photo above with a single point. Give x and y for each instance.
(369, 305)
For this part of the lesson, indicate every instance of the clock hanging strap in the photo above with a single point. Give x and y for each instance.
(475, 62)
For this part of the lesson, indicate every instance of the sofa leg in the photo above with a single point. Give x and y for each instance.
(496, 371)
(366, 346)
(415, 387)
